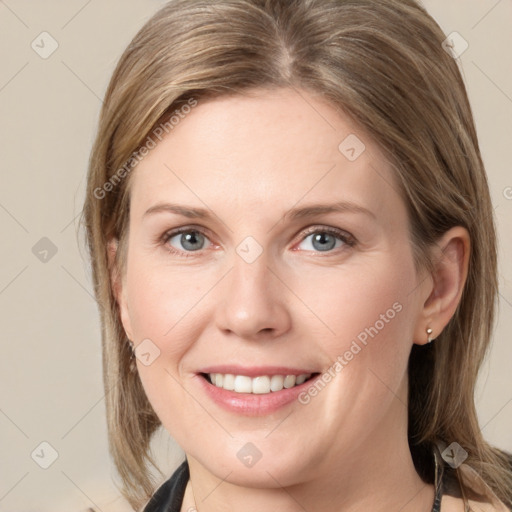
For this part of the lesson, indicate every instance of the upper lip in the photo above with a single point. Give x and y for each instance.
(255, 371)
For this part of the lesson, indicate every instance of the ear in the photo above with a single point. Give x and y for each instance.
(118, 288)
(451, 259)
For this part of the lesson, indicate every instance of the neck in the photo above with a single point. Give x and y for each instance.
(379, 475)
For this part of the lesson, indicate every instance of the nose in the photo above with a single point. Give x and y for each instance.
(251, 303)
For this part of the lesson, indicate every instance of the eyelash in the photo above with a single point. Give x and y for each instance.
(347, 239)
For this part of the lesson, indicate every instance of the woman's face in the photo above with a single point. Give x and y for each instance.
(268, 242)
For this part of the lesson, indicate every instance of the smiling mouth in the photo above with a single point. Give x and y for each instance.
(261, 385)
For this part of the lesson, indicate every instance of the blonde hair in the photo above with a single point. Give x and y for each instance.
(381, 62)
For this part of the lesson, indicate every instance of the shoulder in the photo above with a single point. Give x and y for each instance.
(455, 504)
(477, 506)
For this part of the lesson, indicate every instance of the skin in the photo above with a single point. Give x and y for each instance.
(248, 160)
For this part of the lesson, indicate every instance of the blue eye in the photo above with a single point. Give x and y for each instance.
(190, 240)
(325, 240)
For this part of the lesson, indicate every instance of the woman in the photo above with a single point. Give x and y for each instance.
(294, 253)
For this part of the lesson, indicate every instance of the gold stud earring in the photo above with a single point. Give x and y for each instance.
(429, 335)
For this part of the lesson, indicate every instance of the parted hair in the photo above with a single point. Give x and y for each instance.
(382, 62)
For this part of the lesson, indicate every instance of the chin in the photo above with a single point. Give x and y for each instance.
(269, 467)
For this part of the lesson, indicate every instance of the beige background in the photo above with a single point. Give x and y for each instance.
(51, 389)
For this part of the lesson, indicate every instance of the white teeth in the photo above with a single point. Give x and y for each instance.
(243, 384)
(229, 382)
(300, 379)
(276, 382)
(289, 381)
(260, 385)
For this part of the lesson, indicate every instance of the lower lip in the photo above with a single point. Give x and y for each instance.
(251, 404)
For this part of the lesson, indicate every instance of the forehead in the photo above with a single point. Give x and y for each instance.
(267, 150)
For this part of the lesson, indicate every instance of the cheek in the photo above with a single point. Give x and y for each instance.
(163, 310)
(367, 315)
(354, 299)
(369, 310)
(161, 301)
(167, 312)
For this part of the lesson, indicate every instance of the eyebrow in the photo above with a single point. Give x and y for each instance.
(195, 213)
(293, 214)
(319, 209)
